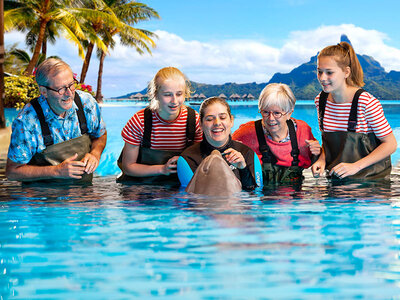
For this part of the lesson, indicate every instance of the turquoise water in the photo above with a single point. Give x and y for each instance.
(111, 241)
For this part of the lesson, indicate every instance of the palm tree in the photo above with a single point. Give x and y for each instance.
(27, 12)
(50, 36)
(23, 57)
(37, 16)
(129, 13)
(92, 28)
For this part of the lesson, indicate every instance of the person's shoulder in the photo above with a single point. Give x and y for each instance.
(245, 128)
(187, 108)
(367, 97)
(139, 114)
(195, 148)
(26, 114)
(368, 101)
(301, 123)
(248, 124)
(240, 146)
(86, 97)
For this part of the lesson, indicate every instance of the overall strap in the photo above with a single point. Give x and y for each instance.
(323, 97)
(351, 127)
(293, 140)
(47, 137)
(81, 115)
(267, 155)
(190, 126)
(148, 125)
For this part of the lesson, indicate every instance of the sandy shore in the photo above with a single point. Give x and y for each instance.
(5, 134)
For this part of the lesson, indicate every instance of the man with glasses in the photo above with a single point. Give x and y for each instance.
(60, 135)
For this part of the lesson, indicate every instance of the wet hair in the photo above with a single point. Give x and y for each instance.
(48, 68)
(345, 56)
(212, 100)
(158, 80)
(278, 94)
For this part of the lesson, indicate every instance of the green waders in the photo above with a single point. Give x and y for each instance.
(149, 156)
(350, 146)
(273, 173)
(55, 154)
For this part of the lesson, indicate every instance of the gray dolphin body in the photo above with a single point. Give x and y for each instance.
(214, 177)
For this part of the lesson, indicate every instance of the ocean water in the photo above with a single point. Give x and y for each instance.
(115, 241)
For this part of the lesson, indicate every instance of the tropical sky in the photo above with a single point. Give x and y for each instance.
(219, 41)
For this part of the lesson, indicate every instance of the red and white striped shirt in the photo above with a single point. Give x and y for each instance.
(165, 135)
(370, 116)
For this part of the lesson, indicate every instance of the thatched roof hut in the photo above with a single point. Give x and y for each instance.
(250, 96)
(234, 97)
(137, 97)
(222, 96)
(202, 96)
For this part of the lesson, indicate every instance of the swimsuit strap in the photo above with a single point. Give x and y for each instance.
(47, 137)
(190, 126)
(267, 155)
(293, 140)
(351, 127)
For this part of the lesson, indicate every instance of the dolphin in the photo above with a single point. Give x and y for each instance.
(214, 177)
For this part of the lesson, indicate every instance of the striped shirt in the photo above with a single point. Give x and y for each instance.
(370, 116)
(165, 135)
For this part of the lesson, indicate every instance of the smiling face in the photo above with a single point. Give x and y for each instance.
(171, 97)
(59, 103)
(275, 124)
(331, 77)
(216, 124)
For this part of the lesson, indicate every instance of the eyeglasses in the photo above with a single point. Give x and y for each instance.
(276, 114)
(61, 91)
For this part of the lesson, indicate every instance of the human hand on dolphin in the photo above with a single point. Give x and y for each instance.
(170, 166)
(235, 158)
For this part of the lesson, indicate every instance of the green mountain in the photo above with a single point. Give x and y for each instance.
(303, 81)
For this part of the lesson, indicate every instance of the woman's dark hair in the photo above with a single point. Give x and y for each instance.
(210, 101)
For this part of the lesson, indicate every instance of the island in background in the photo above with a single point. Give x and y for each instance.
(302, 80)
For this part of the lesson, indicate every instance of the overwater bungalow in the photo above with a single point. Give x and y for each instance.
(250, 97)
(136, 97)
(234, 97)
(223, 96)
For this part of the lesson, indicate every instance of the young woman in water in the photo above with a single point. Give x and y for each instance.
(155, 136)
(357, 139)
(216, 122)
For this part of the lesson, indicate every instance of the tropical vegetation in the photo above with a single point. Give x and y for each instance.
(89, 24)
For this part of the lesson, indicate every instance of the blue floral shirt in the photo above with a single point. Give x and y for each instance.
(26, 137)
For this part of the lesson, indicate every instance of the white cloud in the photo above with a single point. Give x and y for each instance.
(219, 62)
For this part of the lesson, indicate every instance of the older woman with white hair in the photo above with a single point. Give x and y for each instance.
(285, 146)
